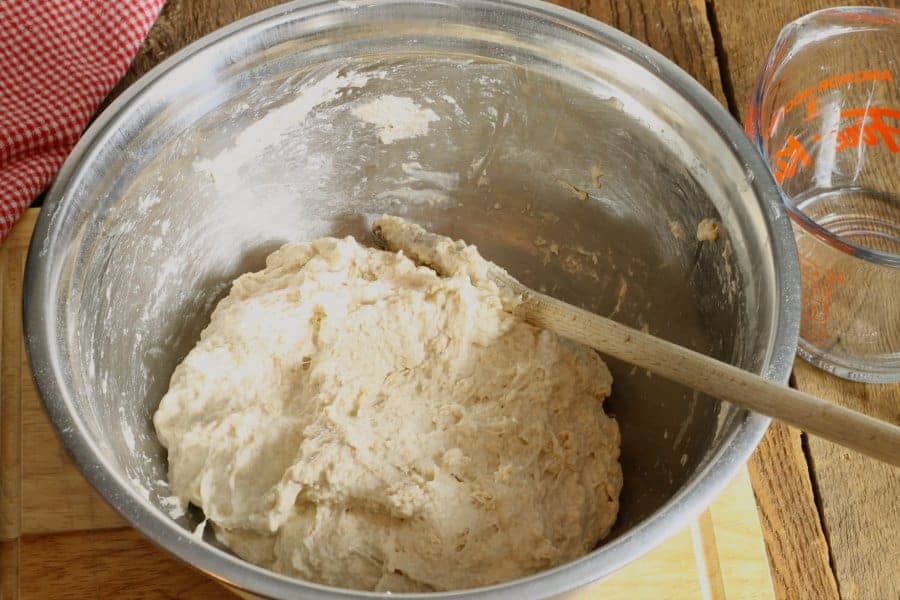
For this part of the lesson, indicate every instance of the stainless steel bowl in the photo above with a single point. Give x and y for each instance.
(567, 151)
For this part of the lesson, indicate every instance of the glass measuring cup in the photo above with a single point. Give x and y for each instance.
(826, 117)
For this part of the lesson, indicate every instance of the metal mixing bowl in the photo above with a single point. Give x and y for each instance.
(567, 151)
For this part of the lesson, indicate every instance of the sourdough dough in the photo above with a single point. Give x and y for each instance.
(707, 230)
(351, 418)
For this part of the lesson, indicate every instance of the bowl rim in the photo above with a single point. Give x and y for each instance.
(688, 502)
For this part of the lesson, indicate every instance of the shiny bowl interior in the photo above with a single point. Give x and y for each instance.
(568, 152)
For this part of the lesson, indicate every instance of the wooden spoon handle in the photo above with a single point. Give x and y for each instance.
(849, 428)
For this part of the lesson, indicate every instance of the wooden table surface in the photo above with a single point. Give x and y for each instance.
(831, 518)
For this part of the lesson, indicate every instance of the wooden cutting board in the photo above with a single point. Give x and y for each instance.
(58, 538)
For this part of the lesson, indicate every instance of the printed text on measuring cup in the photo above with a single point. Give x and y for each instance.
(873, 126)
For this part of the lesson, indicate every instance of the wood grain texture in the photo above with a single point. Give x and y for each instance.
(858, 500)
(112, 563)
(798, 551)
(54, 495)
(735, 541)
(9, 397)
(859, 497)
(677, 29)
(9, 570)
(669, 569)
(707, 548)
(12, 351)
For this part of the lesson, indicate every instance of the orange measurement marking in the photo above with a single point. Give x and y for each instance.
(789, 158)
(853, 77)
(871, 126)
(807, 96)
(818, 287)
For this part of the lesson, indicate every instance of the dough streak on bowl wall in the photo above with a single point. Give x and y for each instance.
(355, 419)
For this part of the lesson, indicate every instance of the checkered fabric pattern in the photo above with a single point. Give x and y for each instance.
(58, 60)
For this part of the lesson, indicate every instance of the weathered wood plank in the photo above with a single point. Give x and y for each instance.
(859, 496)
(798, 551)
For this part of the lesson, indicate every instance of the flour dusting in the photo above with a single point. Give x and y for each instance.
(267, 132)
(412, 196)
(440, 179)
(396, 117)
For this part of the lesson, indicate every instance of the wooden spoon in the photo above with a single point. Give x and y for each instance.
(843, 426)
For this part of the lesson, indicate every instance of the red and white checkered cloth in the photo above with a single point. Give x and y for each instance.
(58, 60)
